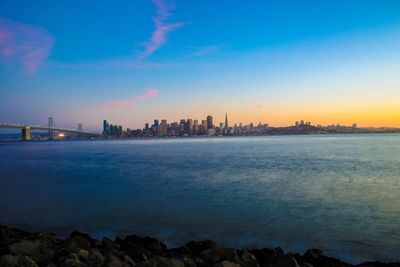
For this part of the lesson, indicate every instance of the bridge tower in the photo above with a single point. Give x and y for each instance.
(80, 130)
(50, 128)
(26, 134)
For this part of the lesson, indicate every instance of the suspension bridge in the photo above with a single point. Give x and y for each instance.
(50, 127)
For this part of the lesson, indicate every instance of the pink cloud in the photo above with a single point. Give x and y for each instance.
(24, 44)
(132, 101)
(158, 37)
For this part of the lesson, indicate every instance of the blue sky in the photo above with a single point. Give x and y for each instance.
(132, 61)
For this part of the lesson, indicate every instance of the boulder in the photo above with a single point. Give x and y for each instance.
(316, 258)
(286, 261)
(247, 259)
(11, 235)
(219, 254)
(14, 261)
(78, 241)
(112, 261)
(147, 263)
(265, 256)
(109, 244)
(95, 258)
(127, 261)
(197, 247)
(226, 264)
(35, 249)
(72, 260)
(151, 244)
(169, 262)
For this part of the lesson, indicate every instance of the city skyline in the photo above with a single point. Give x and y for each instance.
(322, 62)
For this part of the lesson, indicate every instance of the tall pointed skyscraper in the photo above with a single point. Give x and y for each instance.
(226, 121)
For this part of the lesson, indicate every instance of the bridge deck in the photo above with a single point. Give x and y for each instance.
(35, 127)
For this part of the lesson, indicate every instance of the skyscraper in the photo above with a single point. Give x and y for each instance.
(189, 126)
(210, 124)
(226, 121)
(106, 128)
(195, 127)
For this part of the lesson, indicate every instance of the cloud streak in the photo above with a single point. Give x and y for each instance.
(132, 101)
(159, 35)
(254, 107)
(205, 50)
(23, 44)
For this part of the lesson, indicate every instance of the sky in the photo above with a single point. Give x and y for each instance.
(262, 61)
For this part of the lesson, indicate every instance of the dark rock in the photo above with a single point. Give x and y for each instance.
(35, 249)
(313, 253)
(72, 260)
(218, 254)
(127, 261)
(184, 250)
(286, 261)
(83, 253)
(265, 256)
(11, 234)
(95, 258)
(109, 244)
(78, 241)
(316, 258)
(151, 244)
(198, 247)
(14, 261)
(112, 261)
(379, 264)
(247, 259)
(168, 262)
(148, 263)
(19, 248)
(226, 264)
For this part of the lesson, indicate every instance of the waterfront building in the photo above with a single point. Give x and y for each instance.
(226, 121)
(189, 126)
(204, 126)
(106, 128)
(210, 124)
(111, 130)
(195, 127)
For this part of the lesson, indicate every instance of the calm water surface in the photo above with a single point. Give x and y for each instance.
(340, 193)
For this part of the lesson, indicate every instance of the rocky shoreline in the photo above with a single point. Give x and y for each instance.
(21, 248)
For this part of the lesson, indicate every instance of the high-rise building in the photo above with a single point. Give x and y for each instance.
(116, 130)
(80, 128)
(106, 128)
(162, 128)
(204, 125)
(111, 130)
(182, 127)
(195, 127)
(226, 121)
(189, 126)
(210, 124)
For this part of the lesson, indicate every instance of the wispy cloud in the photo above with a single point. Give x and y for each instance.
(132, 101)
(254, 107)
(158, 37)
(24, 44)
(202, 51)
